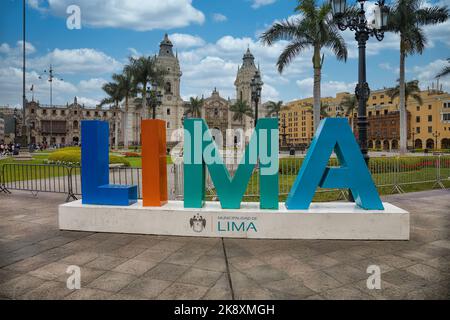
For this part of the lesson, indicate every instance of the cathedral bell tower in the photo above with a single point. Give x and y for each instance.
(244, 77)
(171, 109)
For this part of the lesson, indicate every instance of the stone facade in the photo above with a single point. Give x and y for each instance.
(243, 80)
(61, 125)
(2, 130)
(172, 108)
(12, 124)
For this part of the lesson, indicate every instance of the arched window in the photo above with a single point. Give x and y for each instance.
(168, 88)
(418, 144)
(75, 124)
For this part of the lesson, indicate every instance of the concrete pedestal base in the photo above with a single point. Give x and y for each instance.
(331, 220)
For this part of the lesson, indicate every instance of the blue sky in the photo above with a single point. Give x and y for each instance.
(209, 35)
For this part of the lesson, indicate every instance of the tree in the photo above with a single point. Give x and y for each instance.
(407, 18)
(127, 89)
(315, 29)
(195, 107)
(412, 90)
(445, 71)
(350, 103)
(115, 95)
(144, 72)
(274, 108)
(241, 109)
(323, 110)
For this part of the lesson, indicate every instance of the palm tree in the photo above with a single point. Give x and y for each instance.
(445, 71)
(274, 108)
(323, 110)
(126, 85)
(412, 90)
(115, 95)
(350, 103)
(127, 88)
(407, 18)
(195, 107)
(241, 109)
(145, 71)
(314, 29)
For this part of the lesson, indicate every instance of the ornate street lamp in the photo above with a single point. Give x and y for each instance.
(413, 133)
(363, 30)
(284, 134)
(154, 98)
(436, 135)
(256, 86)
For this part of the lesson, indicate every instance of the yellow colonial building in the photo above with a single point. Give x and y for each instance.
(296, 119)
(428, 123)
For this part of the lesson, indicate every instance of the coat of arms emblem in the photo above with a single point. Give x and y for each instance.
(198, 223)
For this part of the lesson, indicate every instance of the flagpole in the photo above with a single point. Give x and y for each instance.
(24, 99)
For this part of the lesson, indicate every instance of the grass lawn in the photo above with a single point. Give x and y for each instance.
(31, 172)
(136, 162)
(412, 178)
(38, 170)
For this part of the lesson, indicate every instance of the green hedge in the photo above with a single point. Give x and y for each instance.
(71, 156)
(290, 166)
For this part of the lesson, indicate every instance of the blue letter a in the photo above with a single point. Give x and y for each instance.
(334, 133)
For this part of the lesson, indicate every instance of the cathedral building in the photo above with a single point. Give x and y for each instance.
(216, 109)
(173, 106)
(60, 125)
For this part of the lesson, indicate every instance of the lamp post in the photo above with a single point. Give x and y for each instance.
(359, 24)
(256, 86)
(436, 135)
(413, 134)
(284, 134)
(15, 115)
(154, 98)
(50, 76)
(24, 98)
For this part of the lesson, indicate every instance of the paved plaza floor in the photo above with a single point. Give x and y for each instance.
(34, 257)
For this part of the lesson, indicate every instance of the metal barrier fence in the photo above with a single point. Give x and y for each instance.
(393, 172)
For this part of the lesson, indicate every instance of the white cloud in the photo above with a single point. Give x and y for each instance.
(11, 87)
(88, 102)
(134, 53)
(77, 61)
(391, 41)
(216, 65)
(426, 74)
(328, 88)
(260, 3)
(129, 14)
(17, 50)
(218, 17)
(270, 93)
(93, 84)
(183, 41)
(208, 72)
(438, 33)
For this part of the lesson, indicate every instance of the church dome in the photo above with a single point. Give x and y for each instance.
(165, 47)
(248, 59)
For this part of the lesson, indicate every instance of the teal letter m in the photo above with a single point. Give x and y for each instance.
(201, 151)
